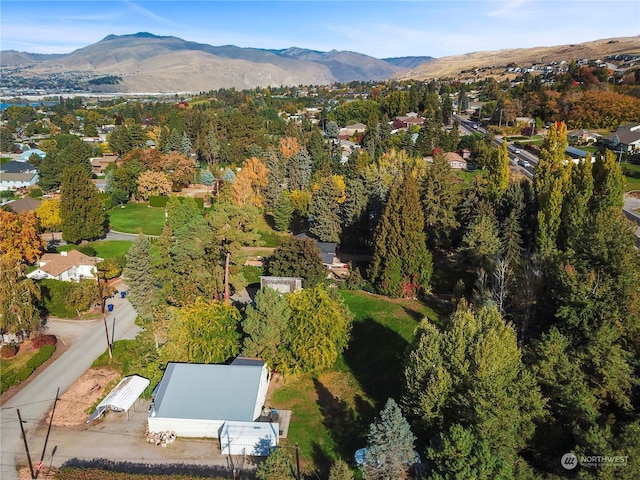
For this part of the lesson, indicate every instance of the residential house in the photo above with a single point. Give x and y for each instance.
(99, 164)
(15, 166)
(409, 120)
(26, 204)
(71, 266)
(349, 130)
(583, 136)
(328, 254)
(456, 161)
(625, 139)
(15, 181)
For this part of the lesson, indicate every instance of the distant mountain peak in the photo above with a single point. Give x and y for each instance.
(133, 35)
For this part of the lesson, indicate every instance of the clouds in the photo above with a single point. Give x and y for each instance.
(377, 28)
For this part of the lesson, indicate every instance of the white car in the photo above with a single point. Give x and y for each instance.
(517, 152)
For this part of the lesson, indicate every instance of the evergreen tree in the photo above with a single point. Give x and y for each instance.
(297, 257)
(282, 213)
(472, 374)
(389, 453)
(185, 144)
(265, 325)
(550, 184)
(340, 471)
(401, 264)
(324, 220)
(139, 275)
(81, 210)
(277, 466)
(206, 177)
(440, 198)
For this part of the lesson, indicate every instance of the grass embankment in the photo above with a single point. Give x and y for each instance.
(19, 368)
(137, 217)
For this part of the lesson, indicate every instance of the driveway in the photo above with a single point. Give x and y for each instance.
(84, 341)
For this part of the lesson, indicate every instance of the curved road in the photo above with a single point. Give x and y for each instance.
(35, 400)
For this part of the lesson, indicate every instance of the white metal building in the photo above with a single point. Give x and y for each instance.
(197, 400)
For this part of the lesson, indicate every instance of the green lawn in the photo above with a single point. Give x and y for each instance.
(104, 248)
(331, 412)
(136, 217)
(632, 176)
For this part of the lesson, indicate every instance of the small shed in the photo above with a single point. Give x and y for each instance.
(281, 284)
(248, 438)
(122, 397)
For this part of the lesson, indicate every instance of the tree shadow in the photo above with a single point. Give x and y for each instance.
(417, 316)
(346, 424)
(375, 356)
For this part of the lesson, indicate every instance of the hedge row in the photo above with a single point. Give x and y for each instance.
(69, 473)
(10, 377)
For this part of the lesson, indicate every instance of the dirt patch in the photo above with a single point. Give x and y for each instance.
(72, 406)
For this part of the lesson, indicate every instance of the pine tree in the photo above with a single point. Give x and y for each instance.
(282, 213)
(389, 453)
(440, 198)
(324, 220)
(139, 276)
(81, 210)
(401, 264)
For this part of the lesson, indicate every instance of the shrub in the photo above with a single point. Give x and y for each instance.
(10, 377)
(158, 201)
(9, 350)
(40, 341)
(54, 298)
(35, 193)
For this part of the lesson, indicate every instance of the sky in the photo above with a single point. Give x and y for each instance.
(382, 28)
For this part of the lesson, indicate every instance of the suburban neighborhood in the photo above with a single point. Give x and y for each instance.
(398, 279)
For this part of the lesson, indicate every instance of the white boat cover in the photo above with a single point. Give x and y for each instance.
(122, 397)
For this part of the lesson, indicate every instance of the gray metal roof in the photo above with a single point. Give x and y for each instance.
(208, 392)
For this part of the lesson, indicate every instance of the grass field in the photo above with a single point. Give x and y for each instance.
(137, 217)
(104, 248)
(331, 412)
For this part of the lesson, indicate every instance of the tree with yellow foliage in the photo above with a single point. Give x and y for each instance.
(48, 213)
(249, 183)
(20, 240)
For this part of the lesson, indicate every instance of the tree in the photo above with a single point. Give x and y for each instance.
(203, 332)
(318, 331)
(282, 212)
(340, 471)
(389, 453)
(324, 220)
(181, 211)
(139, 275)
(297, 257)
(233, 227)
(550, 183)
(153, 184)
(81, 210)
(19, 299)
(471, 373)
(498, 171)
(249, 183)
(48, 213)
(20, 241)
(401, 264)
(277, 466)
(440, 197)
(265, 325)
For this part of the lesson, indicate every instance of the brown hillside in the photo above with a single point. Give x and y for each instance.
(454, 66)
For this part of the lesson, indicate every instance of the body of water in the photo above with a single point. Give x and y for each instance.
(4, 106)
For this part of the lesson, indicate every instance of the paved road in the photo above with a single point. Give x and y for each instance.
(87, 342)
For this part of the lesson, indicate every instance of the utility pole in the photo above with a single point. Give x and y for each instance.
(26, 446)
(44, 448)
(103, 300)
(297, 462)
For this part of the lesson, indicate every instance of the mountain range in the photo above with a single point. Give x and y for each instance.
(144, 62)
